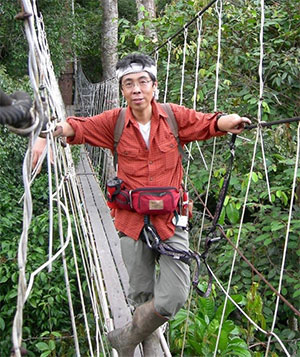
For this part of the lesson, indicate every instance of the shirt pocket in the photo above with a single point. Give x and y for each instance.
(128, 159)
(169, 153)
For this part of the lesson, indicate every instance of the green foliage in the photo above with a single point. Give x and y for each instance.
(203, 325)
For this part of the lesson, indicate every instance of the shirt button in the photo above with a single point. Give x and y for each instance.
(150, 162)
(151, 179)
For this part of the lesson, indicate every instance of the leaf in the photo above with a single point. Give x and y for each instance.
(223, 342)
(2, 324)
(254, 177)
(296, 293)
(51, 345)
(268, 241)
(42, 346)
(238, 351)
(45, 354)
(232, 213)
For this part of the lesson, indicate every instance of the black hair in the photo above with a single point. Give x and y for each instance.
(140, 58)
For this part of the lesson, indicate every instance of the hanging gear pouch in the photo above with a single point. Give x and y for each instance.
(117, 195)
(154, 200)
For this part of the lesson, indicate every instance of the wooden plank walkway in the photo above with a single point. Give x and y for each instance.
(108, 246)
(107, 243)
(106, 239)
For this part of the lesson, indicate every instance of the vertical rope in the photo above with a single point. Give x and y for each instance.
(199, 31)
(219, 8)
(261, 93)
(183, 65)
(169, 48)
(291, 211)
(199, 37)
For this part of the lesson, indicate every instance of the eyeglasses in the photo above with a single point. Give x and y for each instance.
(142, 83)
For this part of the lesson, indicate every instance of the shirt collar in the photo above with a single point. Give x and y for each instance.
(157, 112)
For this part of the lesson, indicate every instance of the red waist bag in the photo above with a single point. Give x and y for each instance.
(154, 200)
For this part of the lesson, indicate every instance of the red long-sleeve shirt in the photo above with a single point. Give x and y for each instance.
(160, 165)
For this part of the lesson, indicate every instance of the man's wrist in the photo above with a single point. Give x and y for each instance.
(58, 131)
(217, 120)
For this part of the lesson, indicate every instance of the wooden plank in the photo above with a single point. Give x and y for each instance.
(108, 225)
(120, 310)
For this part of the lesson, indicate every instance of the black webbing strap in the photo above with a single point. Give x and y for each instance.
(211, 237)
(225, 185)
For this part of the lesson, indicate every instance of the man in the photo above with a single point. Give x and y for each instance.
(148, 156)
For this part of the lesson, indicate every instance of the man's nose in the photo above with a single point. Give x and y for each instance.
(136, 87)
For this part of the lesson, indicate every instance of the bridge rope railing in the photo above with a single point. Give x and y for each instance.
(64, 198)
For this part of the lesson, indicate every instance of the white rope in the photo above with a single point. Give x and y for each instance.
(237, 241)
(199, 38)
(41, 73)
(228, 297)
(169, 48)
(261, 93)
(183, 64)
(219, 6)
(199, 31)
(87, 261)
(291, 211)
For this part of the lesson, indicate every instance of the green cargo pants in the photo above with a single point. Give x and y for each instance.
(168, 282)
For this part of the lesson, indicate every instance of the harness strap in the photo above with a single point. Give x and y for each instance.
(154, 242)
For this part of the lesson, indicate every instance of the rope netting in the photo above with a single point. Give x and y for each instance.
(65, 197)
(66, 210)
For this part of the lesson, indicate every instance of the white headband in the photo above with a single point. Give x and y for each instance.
(135, 68)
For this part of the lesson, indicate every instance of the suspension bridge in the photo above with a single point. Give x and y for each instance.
(76, 192)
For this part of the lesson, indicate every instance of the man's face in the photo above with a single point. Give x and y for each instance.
(138, 90)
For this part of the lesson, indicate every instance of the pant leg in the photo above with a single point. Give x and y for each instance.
(139, 260)
(173, 282)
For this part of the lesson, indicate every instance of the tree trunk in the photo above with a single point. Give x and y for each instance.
(149, 6)
(109, 42)
(109, 57)
(109, 54)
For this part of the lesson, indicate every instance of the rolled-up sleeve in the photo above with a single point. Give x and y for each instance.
(97, 130)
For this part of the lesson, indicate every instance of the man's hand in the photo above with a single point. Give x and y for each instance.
(232, 123)
(63, 129)
(37, 150)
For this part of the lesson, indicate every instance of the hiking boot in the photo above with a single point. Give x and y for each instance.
(145, 320)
